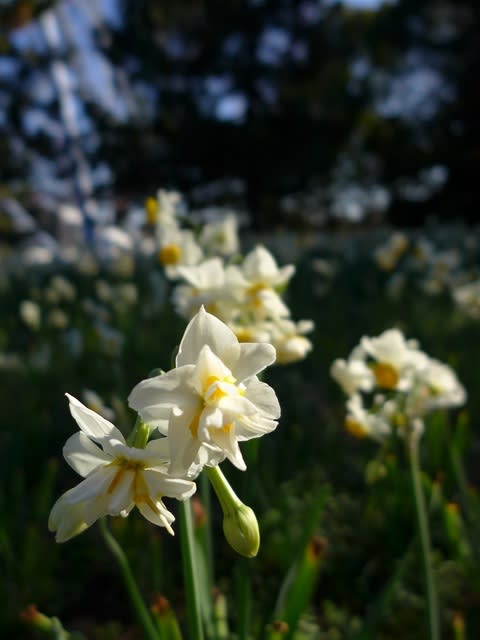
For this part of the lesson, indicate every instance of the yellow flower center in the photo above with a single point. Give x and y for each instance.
(385, 375)
(169, 254)
(355, 428)
(124, 466)
(244, 335)
(151, 209)
(253, 292)
(212, 396)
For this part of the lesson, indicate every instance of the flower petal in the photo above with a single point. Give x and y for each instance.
(161, 516)
(93, 485)
(204, 329)
(154, 398)
(264, 398)
(121, 492)
(96, 427)
(247, 359)
(160, 484)
(83, 455)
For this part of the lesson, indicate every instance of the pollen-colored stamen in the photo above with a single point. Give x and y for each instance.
(151, 209)
(253, 292)
(227, 427)
(385, 375)
(169, 254)
(193, 426)
(124, 466)
(355, 428)
(244, 335)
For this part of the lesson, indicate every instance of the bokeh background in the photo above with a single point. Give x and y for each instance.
(305, 113)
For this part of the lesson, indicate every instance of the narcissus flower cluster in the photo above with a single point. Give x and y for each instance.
(392, 384)
(246, 293)
(192, 416)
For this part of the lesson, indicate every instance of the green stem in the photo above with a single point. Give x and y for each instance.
(141, 610)
(190, 571)
(244, 599)
(422, 520)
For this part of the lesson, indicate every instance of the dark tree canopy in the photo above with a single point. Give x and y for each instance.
(289, 96)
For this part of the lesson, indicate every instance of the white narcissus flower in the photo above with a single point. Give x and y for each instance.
(212, 399)
(440, 387)
(211, 284)
(116, 477)
(353, 374)
(467, 297)
(289, 339)
(361, 423)
(396, 361)
(221, 237)
(162, 211)
(263, 278)
(178, 247)
(31, 314)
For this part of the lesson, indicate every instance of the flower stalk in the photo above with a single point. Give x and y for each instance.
(424, 531)
(190, 570)
(136, 599)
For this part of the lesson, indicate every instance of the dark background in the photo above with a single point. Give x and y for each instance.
(279, 106)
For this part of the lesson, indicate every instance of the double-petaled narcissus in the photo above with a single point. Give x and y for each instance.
(117, 477)
(212, 399)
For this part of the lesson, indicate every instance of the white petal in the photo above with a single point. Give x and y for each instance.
(159, 484)
(66, 520)
(154, 398)
(248, 428)
(160, 517)
(83, 455)
(92, 423)
(208, 365)
(204, 329)
(95, 484)
(183, 447)
(227, 442)
(247, 359)
(264, 398)
(157, 452)
(121, 492)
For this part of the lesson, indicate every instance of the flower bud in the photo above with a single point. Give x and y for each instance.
(240, 524)
(240, 527)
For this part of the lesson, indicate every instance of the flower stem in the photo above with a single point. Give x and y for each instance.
(141, 610)
(190, 571)
(422, 521)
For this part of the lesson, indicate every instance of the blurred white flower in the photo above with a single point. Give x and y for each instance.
(31, 314)
(362, 423)
(289, 339)
(116, 477)
(387, 255)
(212, 399)
(220, 237)
(178, 248)
(58, 319)
(439, 387)
(467, 297)
(395, 360)
(210, 284)
(353, 374)
(63, 288)
(163, 210)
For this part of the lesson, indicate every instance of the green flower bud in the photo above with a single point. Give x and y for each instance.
(240, 524)
(241, 531)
